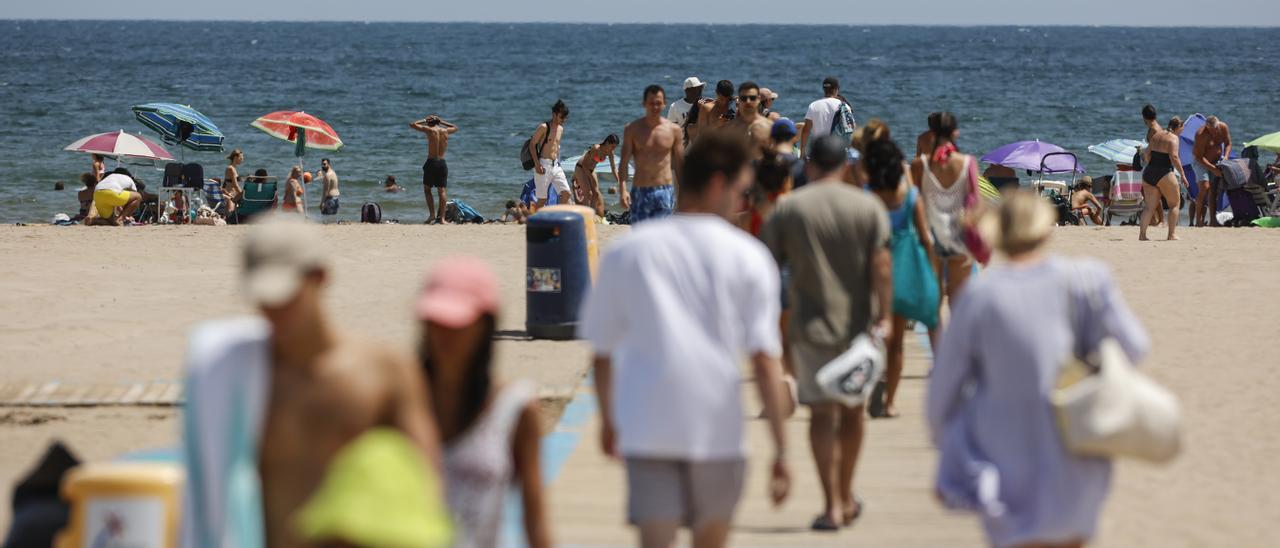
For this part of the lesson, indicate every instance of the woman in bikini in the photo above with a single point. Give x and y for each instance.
(1160, 178)
(231, 191)
(293, 193)
(585, 173)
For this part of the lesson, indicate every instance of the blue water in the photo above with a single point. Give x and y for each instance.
(1073, 87)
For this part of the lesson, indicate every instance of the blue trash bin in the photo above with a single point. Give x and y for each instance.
(558, 274)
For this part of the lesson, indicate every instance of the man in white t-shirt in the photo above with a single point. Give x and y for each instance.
(679, 304)
(821, 114)
(679, 111)
(116, 198)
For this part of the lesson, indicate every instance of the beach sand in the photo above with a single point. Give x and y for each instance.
(105, 306)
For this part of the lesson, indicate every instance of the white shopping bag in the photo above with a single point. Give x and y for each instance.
(850, 378)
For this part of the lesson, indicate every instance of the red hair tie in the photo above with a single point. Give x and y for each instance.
(943, 153)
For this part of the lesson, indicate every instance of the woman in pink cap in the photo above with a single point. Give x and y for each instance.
(490, 431)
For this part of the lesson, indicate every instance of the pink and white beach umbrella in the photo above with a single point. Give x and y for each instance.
(119, 144)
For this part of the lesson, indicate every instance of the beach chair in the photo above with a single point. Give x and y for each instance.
(213, 196)
(1125, 196)
(259, 196)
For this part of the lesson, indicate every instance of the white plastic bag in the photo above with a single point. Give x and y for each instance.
(850, 378)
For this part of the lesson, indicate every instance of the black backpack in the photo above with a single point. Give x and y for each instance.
(527, 159)
(371, 212)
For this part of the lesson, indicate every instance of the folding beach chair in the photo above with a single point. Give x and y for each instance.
(259, 196)
(1125, 195)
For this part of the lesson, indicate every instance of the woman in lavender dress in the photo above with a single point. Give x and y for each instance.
(988, 401)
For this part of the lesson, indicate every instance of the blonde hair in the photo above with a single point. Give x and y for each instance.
(1025, 222)
(1175, 123)
(237, 152)
(875, 130)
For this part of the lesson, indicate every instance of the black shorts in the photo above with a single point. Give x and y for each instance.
(435, 173)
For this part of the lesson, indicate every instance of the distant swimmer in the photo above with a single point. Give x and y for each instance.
(435, 172)
(655, 144)
(547, 170)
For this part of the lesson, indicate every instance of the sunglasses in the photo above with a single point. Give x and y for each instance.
(748, 97)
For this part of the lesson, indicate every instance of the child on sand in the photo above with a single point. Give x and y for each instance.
(516, 213)
(1084, 203)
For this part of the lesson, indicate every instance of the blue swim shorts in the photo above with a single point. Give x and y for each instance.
(651, 202)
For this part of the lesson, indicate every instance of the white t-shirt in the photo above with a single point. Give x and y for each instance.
(679, 111)
(117, 182)
(821, 113)
(679, 304)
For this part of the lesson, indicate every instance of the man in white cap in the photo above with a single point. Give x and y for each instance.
(270, 400)
(679, 111)
(767, 97)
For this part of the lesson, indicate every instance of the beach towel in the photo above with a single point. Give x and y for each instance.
(226, 395)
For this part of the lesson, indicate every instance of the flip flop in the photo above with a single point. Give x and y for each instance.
(850, 518)
(823, 524)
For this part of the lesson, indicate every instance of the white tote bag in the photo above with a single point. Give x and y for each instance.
(1107, 408)
(850, 378)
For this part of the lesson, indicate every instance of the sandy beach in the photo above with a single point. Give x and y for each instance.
(104, 307)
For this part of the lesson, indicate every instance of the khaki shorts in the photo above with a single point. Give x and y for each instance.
(691, 493)
(807, 359)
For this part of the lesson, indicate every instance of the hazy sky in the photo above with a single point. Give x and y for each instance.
(932, 12)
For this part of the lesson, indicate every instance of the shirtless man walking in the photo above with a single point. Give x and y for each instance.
(304, 388)
(1212, 144)
(329, 177)
(657, 148)
(547, 171)
(713, 114)
(435, 173)
(753, 126)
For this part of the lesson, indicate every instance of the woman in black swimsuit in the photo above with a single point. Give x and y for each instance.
(1161, 177)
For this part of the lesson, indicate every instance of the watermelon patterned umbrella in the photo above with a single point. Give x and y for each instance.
(300, 128)
(120, 145)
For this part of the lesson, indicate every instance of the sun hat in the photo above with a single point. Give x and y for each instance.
(377, 491)
(457, 292)
(783, 129)
(278, 254)
(693, 82)
(1022, 223)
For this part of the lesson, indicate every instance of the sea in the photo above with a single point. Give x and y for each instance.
(1071, 86)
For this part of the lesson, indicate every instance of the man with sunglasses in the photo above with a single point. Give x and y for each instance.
(750, 123)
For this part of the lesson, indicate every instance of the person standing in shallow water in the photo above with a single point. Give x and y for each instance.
(435, 172)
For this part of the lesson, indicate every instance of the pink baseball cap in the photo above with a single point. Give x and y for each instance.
(458, 291)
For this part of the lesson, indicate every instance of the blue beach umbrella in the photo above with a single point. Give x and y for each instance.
(1118, 151)
(180, 125)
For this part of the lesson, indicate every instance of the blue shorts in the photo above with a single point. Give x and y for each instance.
(651, 202)
(329, 206)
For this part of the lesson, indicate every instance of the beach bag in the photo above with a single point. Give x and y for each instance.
(1107, 408)
(843, 124)
(527, 159)
(850, 378)
(1235, 173)
(457, 211)
(973, 240)
(915, 288)
(371, 212)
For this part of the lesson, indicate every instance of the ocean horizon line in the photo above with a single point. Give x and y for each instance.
(638, 23)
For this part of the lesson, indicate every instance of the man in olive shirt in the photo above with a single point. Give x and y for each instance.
(833, 238)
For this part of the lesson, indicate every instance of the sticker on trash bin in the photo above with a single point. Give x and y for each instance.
(544, 280)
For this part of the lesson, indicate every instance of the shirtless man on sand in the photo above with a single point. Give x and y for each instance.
(324, 387)
(750, 123)
(657, 147)
(546, 148)
(435, 173)
(715, 114)
(1212, 144)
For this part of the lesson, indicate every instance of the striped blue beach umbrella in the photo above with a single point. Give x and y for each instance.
(1118, 151)
(173, 121)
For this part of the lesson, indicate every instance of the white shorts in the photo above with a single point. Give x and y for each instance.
(552, 174)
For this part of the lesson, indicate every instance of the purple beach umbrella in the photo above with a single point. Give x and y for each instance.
(1028, 155)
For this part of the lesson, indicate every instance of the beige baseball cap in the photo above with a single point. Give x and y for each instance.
(279, 253)
(693, 82)
(766, 92)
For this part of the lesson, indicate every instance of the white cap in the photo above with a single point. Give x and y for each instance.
(278, 254)
(693, 82)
